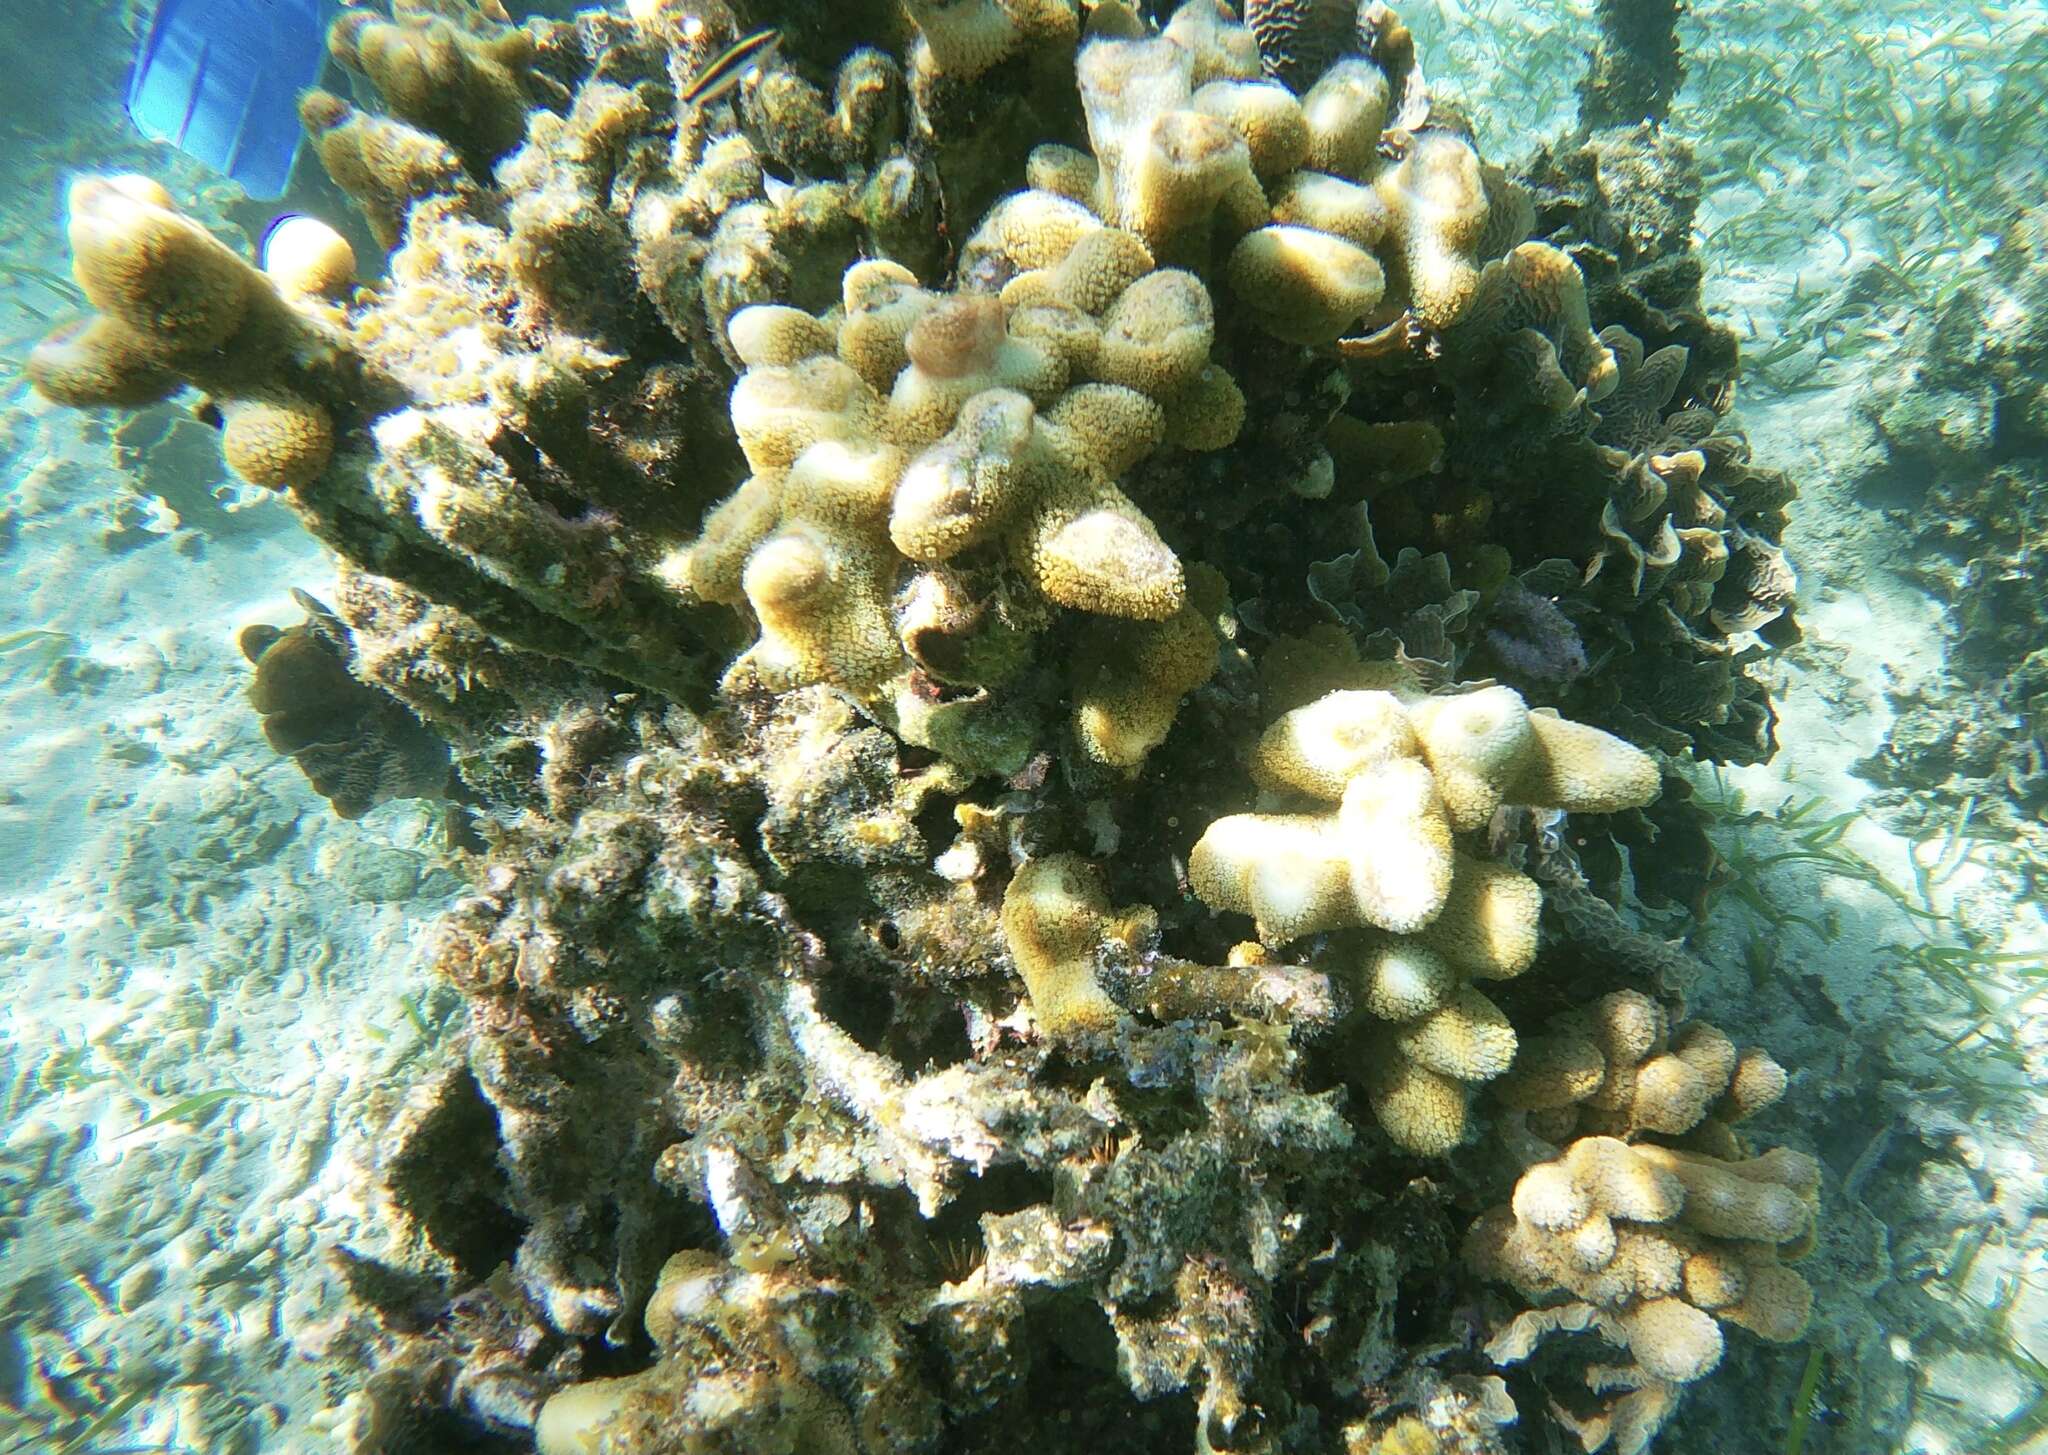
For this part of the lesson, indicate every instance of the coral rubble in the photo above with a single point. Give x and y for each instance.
(1024, 597)
(1967, 414)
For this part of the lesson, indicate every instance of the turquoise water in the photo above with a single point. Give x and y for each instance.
(286, 1166)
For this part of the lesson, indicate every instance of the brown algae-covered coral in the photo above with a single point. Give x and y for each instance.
(1024, 683)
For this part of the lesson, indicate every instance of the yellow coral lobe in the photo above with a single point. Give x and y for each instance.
(1345, 111)
(1188, 167)
(1551, 1071)
(778, 413)
(1156, 336)
(1208, 414)
(963, 38)
(162, 275)
(97, 362)
(1330, 204)
(821, 584)
(1776, 1304)
(1488, 926)
(1423, 1111)
(967, 486)
(1099, 267)
(1672, 1340)
(1758, 1081)
(1768, 1203)
(573, 1420)
(764, 335)
(276, 440)
(1320, 748)
(1130, 678)
(1479, 744)
(1583, 769)
(1026, 230)
(1104, 429)
(1397, 842)
(1093, 550)
(1286, 871)
(1304, 286)
(1437, 200)
(1402, 981)
(1055, 918)
(1266, 115)
(1468, 1040)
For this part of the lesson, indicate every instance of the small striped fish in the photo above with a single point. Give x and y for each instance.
(724, 71)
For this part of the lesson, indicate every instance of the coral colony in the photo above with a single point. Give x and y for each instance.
(1025, 603)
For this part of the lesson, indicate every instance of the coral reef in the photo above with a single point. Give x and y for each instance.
(1655, 1245)
(1000, 423)
(1017, 692)
(1657, 1249)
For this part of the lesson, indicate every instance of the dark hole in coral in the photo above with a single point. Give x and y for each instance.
(1419, 1308)
(910, 758)
(444, 1432)
(449, 1177)
(888, 936)
(936, 825)
(859, 1006)
(1072, 1397)
(948, 1248)
(943, 1043)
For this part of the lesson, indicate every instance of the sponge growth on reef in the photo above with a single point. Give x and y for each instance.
(1054, 707)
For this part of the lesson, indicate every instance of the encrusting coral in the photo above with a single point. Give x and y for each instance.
(1050, 617)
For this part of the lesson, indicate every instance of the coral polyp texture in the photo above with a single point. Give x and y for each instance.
(924, 425)
(1066, 633)
(177, 307)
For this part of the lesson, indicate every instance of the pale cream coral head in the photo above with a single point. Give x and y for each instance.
(963, 489)
(1054, 919)
(1478, 743)
(1156, 335)
(1345, 112)
(1304, 285)
(1397, 842)
(1402, 980)
(779, 412)
(307, 258)
(1319, 748)
(1268, 117)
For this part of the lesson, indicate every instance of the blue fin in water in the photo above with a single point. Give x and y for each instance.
(220, 79)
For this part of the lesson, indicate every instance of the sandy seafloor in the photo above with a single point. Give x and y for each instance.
(180, 915)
